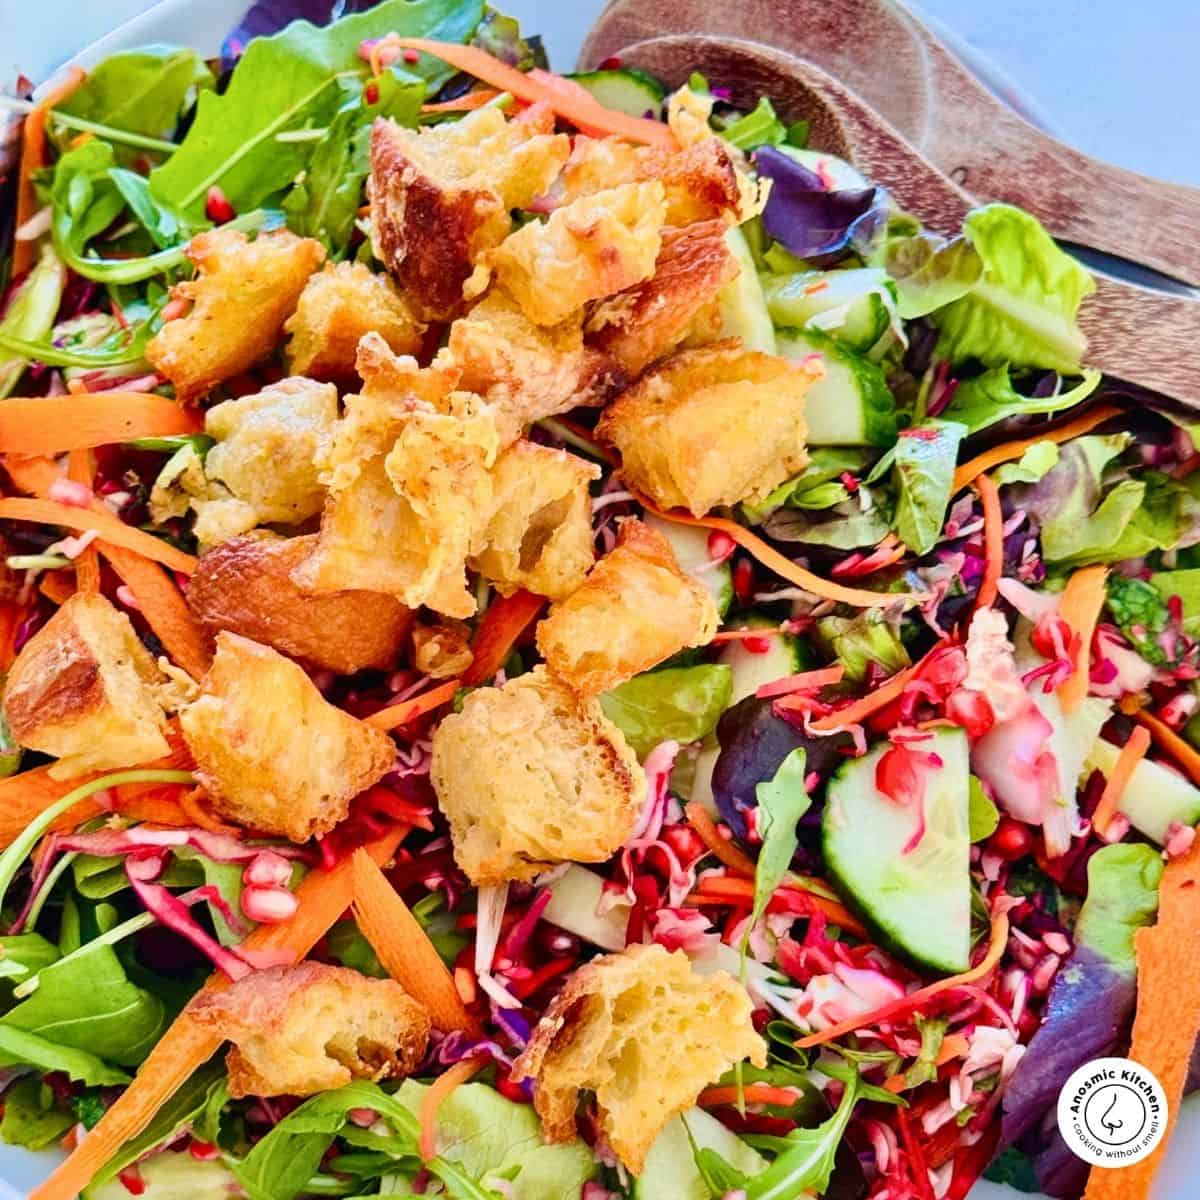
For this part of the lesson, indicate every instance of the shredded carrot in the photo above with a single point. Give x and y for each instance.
(913, 1000)
(438, 1093)
(1131, 754)
(740, 635)
(578, 110)
(1080, 606)
(993, 541)
(33, 157)
(854, 714)
(323, 896)
(1166, 738)
(499, 630)
(752, 1093)
(57, 586)
(56, 424)
(468, 103)
(1167, 1021)
(782, 566)
(396, 715)
(954, 1045)
(405, 950)
(11, 616)
(193, 803)
(87, 564)
(805, 681)
(50, 512)
(741, 891)
(727, 852)
(1007, 451)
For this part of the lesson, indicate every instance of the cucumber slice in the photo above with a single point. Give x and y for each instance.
(574, 906)
(173, 1175)
(1153, 797)
(743, 308)
(856, 307)
(691, 550)
(627, 90)
(919, 903)
(852, 405)
(836, 170)
(670, 1171)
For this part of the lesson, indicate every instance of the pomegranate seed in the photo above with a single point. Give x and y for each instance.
(131, 1179)
(371, 93)
(972, 711)
(756, 645)
(267, 870)
(411, 56)
(611, 63)
(67, 491)
(510, 1090)
(720, 546)
(217, 207)
(1012, 840)
(743, 580)
(269, 905)
(685, 841)
(364, 1118)
(203, 1151)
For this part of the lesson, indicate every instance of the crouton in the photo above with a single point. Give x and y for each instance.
(529, 775)
(641, 324)
(634, 610)
(526, 371)
(337, 307)
(688, 114)
(590, 249)
(242, 294)
(311, 1028)
(540, 533)
(272, 753)
(440, 197)
(711, 426)
(245, 586)
(442, 651)
(84, 690)
(643, 1032)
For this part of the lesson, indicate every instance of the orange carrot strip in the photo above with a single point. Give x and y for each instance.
(783, 567)
(50, 512)
(55, 424)
(742, 890)
(323, 896)
(573, 108)
(1167, 739)
(87, 565)
(468, 103)
(405, 950)
(1080, 606)
(1007, 451)
(853, 714)
(33, 156)
(740, 635)
(993, 541)
(194, 805)
(11, 616)
(502, 625)
(805, 681)
(1131, 754)
(727, 852)
(954, 1045)
(913, 1000)
(1167, 1021)
(439, 1092)
(58, 586)
(753, 1093)
(34, 475)
(396, 715)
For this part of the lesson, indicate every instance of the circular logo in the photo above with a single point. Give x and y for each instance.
(1112, 1112)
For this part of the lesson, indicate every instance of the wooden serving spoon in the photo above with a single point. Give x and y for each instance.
(902, 69)
(1141, 336)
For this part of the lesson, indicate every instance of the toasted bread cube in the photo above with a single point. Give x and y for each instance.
(442, 651)
(244, 586)
(540, 533)
(311, 1028)
(646, 1034)
(711, 426)
(529, 775)
(634, 610)
(641, 324)
(594, 247)
(272, 753)
(338, 306)
(440, 197)
(526, 371)
(242, 294)
(84, 690)
(688, 114)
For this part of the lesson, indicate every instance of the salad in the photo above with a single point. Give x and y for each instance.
(558, 646)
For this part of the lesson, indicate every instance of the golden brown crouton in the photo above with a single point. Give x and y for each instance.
(530, 775)
(646, 1034)
(710, 426)
(641, 324)
(592, 248)
(84, 690)
(635, 609)
(245, 586)
(311, 1028)
(442, 651)
(337, 307)
(526, 371)
(272, 753)
(242, 294)
(540, 533)
(441, 197)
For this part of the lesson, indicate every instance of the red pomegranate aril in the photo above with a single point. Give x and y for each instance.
(217, 207)
(756, 645)
(511, 1091)
(720, 545)
(269, 905)
(203, 1151)
(743, 580)
(685, 841)
(132, 1181)
(371, 93)
(555, 942)
(972, 711)
(1012, 840)
(267, 870)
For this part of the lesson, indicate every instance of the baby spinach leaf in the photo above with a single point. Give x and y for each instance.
(991, 397)
(924, 473)
(30, 1116)
(680, 703)
(19, 1047)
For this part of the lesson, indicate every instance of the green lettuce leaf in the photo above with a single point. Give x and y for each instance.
(31, 312)
(1140, 612)
(991, 397)
(348, 946)
(19, 1047)
(1024, 309)
(1186, 585)
(782, 801)
(817, 486)
(1122, 897)
(924, 462)
(1033, 465)
(982, 814)
(680, 703)
(761, 127)
(930, 272)
(31, 1118)
(858, 641)
(24, 954)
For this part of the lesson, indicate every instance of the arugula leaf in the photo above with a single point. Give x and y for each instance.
(31, 312)
(991, 397)
(782, 801)
(25, 954)
(1024, 308)
(924, 472)
(930, 272)
(933, 1032)
(1033, 465)
(30, 1116)
(290, 82)
(762, 127)
(19, 1047)
(983, 816)
(165, 227)
(680, 703)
